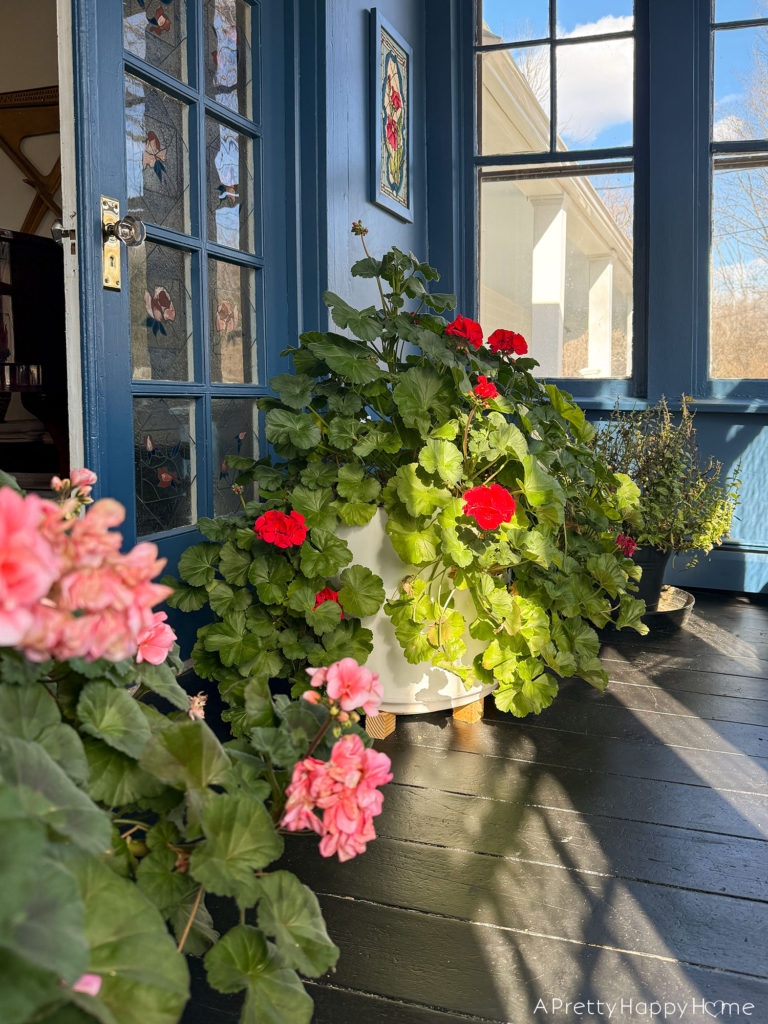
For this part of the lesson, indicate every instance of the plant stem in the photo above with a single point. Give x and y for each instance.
(321, 732)
(277, 793)
(466, 435)
(131, 821)
(192, 916)
(378, 279)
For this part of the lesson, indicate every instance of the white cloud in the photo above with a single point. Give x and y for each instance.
(595, 82)
(729, 128)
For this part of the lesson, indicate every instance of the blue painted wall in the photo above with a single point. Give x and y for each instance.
(348, 142)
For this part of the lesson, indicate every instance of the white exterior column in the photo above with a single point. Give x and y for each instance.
(600, 322)
(548, 283)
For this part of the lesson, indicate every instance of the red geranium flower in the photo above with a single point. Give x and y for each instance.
(627, 545)
(485, 388)
(284, 531)
(462, 327)
(326, 594)
(508, 341)
(491, 505)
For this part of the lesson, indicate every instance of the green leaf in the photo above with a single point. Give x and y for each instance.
(362, 592)
(15, 668)
(325, 617)
(295, 428)
(243, 959)
(378, 437)
(420, 499)
(270, 574)
(605, 568)
(355, 513)
(234, 647)
(302, 594)
(631, 612)
(50, 796)
(158, 879)
(368, 267)
(295, 390)
(319, 474)
(240, 839)
(6, 480)
(41, 913)
(115, 779)
(348, 359)
(356, 485)
(440, 301)
(342, 432)
(144, 978)
(346, 403)
(290, 913)
(161, 679)
(186, 754)
(363, 323)
(234, 565)
(113, 716)
(325, 556)
(29, 713)
(316, 506)
(534, 691)
(422, 391)
(184, 597)
(225, 599)
(505, 438)
(414, 545)
(25, 989)
(197, 564)
(443, 458)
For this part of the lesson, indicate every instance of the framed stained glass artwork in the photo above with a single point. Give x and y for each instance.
(391, 76)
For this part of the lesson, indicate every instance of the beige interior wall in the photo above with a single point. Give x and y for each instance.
(28, 60)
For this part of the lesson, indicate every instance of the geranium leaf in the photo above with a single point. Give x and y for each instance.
(631, 611)
(363, 323)
(186, 754)
(144, 978)
(184, 597)
(342, 432)
(116, 779)
(240, 839)
(198, 564)
(362, 592)
(316, 506)
(356, 485)
(319, 474)
(234, 564)
(292, 428)
(325, 556)
(113, 716)
(295, 390)
(347, 358)
(290, 913)
(415, 546)
(444, 459)
(420, 499)
(355, 513)
(50, 796)
(419, 392)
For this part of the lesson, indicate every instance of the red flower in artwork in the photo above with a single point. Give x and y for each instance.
(508, 341)
(485, 388)
(326, 594)
(491, 505)
(397, 103)
(626, 544)
(391, 133)
(284, 531)
(463, 327)
(165, 478)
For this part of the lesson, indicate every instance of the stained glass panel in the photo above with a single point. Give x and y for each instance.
(230, 175)
(235, 432)
(228, 54)
(157, 33)
(161, 312)
(233, 328)
(157, 155)
(165, 463)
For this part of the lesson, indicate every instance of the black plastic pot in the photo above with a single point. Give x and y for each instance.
(654, 564)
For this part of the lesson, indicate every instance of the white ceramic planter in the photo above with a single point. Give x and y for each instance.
(408, 689)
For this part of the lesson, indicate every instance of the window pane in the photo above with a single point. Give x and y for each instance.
(161, 312)
(595, 94)
(575, 18)
(739, 10)
(165, 463)
(157, 155)
(233, 329)
(230, 186)
(235, 432)
(739, 281)
(157, 34)
(741, 84)
(514, 100)
(228, 57)
(503, 22)
(556, 266)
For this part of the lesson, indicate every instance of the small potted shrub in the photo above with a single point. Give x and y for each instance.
(121, 813)
(437, 462)
(683, 508)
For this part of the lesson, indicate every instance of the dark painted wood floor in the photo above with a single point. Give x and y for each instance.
(614, 848)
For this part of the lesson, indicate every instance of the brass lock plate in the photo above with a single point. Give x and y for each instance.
(110, 214)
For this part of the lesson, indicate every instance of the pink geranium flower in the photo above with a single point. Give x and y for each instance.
(353, 686)
(90, 984)
(155, 641)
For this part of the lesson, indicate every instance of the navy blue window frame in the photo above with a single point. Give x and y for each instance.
(592, 393)
(673, 155)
